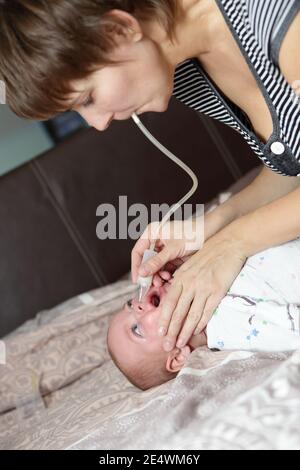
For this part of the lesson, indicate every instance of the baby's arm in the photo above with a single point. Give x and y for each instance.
(198, 340)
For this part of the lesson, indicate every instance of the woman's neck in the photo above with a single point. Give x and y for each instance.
(196, 32)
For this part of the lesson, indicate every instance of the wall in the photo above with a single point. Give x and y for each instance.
(20, 140)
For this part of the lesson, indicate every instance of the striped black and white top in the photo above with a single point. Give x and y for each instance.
(258, 27)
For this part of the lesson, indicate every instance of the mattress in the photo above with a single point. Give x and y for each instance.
(60, 389)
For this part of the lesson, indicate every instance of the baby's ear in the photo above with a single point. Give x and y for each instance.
(177, 358)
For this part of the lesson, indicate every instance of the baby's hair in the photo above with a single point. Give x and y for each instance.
(145, 374)
(45, 45)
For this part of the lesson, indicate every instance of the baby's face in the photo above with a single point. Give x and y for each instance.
(133, 332)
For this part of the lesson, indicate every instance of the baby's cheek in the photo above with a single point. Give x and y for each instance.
(153, 323)
(156, 346)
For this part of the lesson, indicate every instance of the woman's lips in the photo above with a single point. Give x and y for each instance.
(127, 113)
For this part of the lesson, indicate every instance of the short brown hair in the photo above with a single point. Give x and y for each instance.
(44, 45)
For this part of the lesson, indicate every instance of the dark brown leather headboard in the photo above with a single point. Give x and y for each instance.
(49, 250)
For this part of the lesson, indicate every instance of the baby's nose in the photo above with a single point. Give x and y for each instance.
(151, 302)
(140, 307)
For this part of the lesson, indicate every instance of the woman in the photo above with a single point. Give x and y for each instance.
(235, 60)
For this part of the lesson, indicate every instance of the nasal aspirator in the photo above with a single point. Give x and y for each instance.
(146, 282)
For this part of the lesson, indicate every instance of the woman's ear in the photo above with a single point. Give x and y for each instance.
(177, 358)
(122, 25)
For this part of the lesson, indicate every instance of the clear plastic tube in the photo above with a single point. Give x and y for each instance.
(145, 283)
(175, 160)
(181, 164)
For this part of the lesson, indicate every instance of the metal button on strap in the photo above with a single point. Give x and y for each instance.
(277, 148)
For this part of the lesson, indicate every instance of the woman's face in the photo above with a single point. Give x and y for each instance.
(142, 83)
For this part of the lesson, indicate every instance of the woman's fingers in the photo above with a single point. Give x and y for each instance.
(154, 265)
(168, 306)
(171, 266)
(175, 307)
(165, 275)
(192, 320)
(170, 250)
(211, 305)
(186, 314)
(197, 289)
(158, 280)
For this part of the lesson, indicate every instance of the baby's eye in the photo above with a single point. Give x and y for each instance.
(135, 330)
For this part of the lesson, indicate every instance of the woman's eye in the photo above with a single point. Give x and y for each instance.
(88, 102)
(135, 330)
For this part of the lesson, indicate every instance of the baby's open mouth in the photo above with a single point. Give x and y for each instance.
(155, 300)
(155, 295)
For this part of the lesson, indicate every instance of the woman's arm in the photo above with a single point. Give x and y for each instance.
(270, 225)
(266, 213)
(203, 280)
(267, 187)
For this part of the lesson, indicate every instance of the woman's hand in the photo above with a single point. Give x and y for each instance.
(198, 287)
(175, 243)
(174, 249)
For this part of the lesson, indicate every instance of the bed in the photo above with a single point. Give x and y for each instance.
(60, 390)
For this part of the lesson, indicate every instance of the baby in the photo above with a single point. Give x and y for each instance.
(260, 312)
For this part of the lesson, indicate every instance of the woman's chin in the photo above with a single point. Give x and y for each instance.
(163, 105)
(159, 107)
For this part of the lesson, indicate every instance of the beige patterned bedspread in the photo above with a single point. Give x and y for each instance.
(60, 390)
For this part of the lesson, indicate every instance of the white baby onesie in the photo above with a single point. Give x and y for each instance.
(261, 311)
